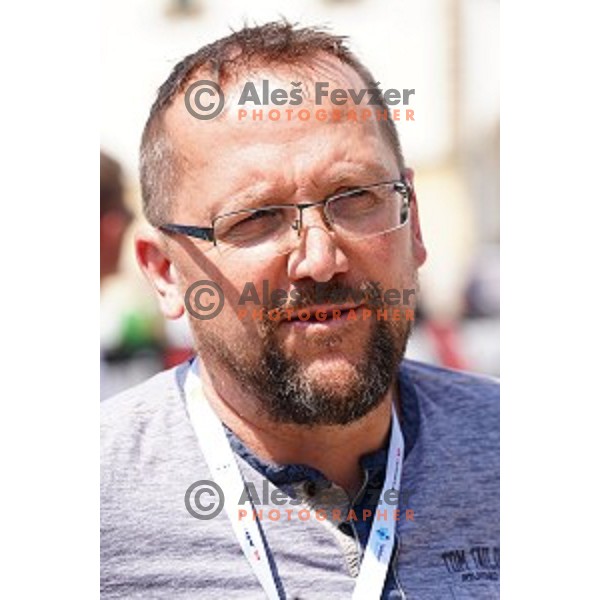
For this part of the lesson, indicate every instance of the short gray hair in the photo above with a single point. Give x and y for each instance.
(276, 43)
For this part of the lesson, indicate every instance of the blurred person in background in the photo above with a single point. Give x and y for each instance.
(130, 332)
(317, 416)
(115, 217)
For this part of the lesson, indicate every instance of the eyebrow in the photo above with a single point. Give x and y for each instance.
(252, 197)
(361, 174)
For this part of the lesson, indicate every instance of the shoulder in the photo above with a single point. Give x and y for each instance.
(439, 381)
(143, 411)
(459, 429)
(454, 399)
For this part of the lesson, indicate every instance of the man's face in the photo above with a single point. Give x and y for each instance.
(306, 372)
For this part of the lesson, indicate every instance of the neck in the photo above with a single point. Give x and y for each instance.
(333, 450)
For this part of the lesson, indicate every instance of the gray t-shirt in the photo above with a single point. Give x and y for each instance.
(447, 523)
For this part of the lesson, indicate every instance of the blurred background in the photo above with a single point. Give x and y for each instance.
(447, 50)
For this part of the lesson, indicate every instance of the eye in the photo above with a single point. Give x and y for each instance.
(251, 226)
(355, 204)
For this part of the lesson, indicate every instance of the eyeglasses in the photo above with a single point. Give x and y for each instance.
(354, 214)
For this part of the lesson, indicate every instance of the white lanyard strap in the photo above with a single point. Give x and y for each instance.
(378, 552)
(226, 473)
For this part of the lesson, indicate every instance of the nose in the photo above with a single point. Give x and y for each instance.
(318, 256)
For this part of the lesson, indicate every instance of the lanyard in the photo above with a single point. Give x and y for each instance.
(226, 473)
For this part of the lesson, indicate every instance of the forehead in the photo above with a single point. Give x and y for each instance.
(229, 161)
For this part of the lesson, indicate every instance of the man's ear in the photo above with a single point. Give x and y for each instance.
(153, 258)
(418, 245)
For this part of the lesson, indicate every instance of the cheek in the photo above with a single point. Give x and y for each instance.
(254, 284)
(242, 314)
(388, 259)
(242, 287)
(393, 267)
(226, 333)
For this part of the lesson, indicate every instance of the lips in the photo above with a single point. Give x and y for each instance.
(322, 313)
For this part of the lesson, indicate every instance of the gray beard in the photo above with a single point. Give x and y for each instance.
(288, 396)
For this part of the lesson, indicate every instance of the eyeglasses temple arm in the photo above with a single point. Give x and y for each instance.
(202, 233)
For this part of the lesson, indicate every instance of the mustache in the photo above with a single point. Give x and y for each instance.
(312, 294)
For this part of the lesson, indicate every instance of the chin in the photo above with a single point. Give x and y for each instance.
(333, 374)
